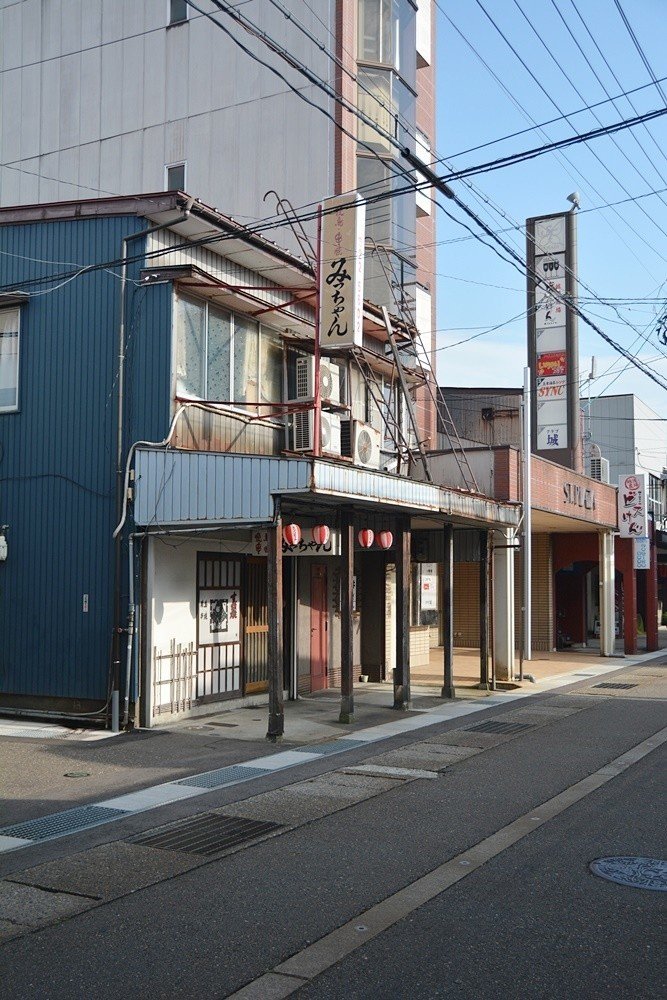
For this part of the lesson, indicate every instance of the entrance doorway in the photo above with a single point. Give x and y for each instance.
(319, 628)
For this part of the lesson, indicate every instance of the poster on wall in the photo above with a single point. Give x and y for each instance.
(632, 506)
(219, 616)
(429, 587)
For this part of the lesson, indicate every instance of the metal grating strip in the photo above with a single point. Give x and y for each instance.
(223, 776)
(63, 822)
(615, 687)
(208, 834)
(338, 746)
(496, 726)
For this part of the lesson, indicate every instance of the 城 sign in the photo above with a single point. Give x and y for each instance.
(341, 272)
(632, 507)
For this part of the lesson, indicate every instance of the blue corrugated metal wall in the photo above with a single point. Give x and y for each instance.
(57, 454)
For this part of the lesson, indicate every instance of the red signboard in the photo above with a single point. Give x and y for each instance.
(552, 363)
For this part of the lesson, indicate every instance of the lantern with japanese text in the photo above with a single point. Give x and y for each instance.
(291, 534)
(321, 534)
(366, 538)
(385, 539)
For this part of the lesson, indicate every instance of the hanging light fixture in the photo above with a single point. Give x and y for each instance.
(321, 534)
(385, 539)
(291, 534)
(365, 538)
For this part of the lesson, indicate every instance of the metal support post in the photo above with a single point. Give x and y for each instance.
(402, 670)
(275, 637)
(346, 632)
(448, 613)
(484, 608)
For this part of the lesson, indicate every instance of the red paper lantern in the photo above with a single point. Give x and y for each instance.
(385, 539)
(366, 537)
(321, 534)
(292, 534)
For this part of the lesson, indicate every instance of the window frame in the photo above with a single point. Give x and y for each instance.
(174, 166)
(271, 333)
(15, 309)
(171, 20)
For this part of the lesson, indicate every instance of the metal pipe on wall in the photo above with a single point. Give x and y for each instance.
(527, 522)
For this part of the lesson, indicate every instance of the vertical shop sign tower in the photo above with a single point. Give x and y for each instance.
(553, 338)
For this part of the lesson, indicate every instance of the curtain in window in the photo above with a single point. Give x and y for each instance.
(246, 360)
(219, 366)
(270, 368)
(190, 348)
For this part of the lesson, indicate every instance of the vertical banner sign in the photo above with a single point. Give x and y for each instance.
(342, 272)
(429, 587)
(641, 553)
(632, 507)
(552, 348)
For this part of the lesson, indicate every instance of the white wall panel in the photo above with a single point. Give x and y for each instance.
(11, 115)
(51, 31)
(31, 11)
(49, 187)
(30, 111)
(110, 166)
(152, 169)
(110, 112)
(153, 90)
(91, 23)
(90, 98)
(112, 20)
(131, 155)
(176, 72)
(70, 25)
(70, 91)
(133, 81)
(11, 30)
(29, 181)
(10, 186)
(89, 171)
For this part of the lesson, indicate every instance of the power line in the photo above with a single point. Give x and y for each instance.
(640, 50)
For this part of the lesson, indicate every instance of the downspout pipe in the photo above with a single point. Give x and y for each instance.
(118, 628)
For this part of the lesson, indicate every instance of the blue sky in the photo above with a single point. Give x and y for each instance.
(622, 251)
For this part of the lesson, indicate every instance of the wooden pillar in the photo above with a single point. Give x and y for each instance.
(346, 630)
(448, 613)
(402, 669)
(483, 607)
(275, 637)
(651, 595)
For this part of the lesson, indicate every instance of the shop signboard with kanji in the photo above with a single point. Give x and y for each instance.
(632, 506)
(341, 273)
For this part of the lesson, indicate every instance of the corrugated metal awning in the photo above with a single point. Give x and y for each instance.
(197, 488)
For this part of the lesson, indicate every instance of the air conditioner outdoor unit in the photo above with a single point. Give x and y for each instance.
(599, 469)
(329, 379)
(303, 435)
(365, 445)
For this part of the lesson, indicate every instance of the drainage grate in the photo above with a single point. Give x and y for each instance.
(223, 776)
(640, 873)
(338, 746)
(495, 726)
(63, 822)
(208, 834)
(615, 687)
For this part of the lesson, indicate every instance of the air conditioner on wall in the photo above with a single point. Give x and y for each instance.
(303, 435)
(361, 442)
(330, 379)
(599, 469)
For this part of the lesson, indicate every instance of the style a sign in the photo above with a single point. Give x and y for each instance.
(632, 507)
(342, 272)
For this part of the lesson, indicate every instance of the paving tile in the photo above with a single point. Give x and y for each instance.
(24, 904)
(108, 871)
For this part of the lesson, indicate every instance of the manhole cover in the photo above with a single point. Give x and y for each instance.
(640, 873)
(208, 834)
(493, 726)
(615, 687)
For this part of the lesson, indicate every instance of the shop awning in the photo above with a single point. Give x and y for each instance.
(195, 488)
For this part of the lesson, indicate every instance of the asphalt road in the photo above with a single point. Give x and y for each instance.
(531, 921)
